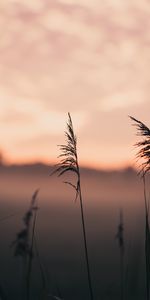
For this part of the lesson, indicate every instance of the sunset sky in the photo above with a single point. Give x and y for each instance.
(88, 57)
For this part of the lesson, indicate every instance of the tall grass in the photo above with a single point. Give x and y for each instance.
(69, 163)
(144, 155)
(23, 245)
(34, 208)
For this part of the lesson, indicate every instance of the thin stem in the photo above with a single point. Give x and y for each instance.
(145, 198)
(31, 256)
(122, 274)
(84, 238)
(146, 240)
(43, 277)
(70, 163)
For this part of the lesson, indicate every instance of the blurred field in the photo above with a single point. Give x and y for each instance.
(59, 235)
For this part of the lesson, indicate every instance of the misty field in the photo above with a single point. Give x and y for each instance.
(59, 237)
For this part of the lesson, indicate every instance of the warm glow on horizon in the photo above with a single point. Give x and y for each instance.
(83, 163)
(89, 58)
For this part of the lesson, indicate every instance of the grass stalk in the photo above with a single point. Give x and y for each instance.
(147, 242)
(29, 267)
(144, 155)
(69, 162)
(24, 242)
(85, 243)
(44, 292)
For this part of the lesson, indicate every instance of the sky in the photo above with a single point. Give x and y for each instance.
(88, 57)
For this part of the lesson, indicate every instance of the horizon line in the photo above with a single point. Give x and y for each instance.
(99, 167)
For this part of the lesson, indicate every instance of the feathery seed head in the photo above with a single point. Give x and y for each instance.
(68, 156)
(21, 244)
(144, 145)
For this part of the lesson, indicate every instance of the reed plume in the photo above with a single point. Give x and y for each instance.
(69, 162)
(144, 154)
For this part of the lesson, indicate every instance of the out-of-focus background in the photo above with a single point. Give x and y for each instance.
(59, 232)
(91, 58)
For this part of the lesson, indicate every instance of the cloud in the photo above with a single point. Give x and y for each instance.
(81, 56)
(16, 117)
(123, 99)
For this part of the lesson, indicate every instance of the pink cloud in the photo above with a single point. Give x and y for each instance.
(82, 56)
